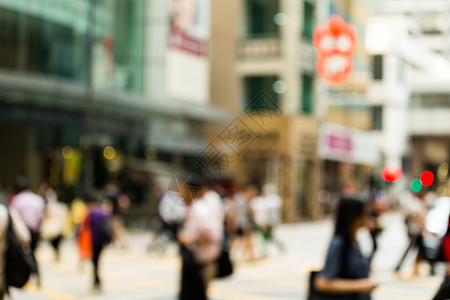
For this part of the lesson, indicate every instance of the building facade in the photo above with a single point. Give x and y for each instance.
(410, 86)
(104, 76)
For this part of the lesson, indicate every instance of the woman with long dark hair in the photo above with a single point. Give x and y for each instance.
(346, 270)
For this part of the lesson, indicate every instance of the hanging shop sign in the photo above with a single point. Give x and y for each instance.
(344, 144)
(335, 43)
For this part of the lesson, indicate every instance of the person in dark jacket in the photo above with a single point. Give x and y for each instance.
(346, 270)
(99, 224)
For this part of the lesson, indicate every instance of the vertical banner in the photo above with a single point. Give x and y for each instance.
(187, 56)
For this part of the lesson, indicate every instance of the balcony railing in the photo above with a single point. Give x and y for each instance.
(259, 47)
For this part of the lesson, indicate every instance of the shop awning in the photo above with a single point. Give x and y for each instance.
(32, 89)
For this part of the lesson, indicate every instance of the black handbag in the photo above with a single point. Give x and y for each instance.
(314, 294)
(19, 261)
(106, 231)
(224, 265)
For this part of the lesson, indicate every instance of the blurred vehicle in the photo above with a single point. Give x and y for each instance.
(436, 224)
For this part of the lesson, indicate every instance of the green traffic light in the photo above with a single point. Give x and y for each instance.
(416, 185)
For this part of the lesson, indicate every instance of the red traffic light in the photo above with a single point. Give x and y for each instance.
(392, 174)
(427, 178)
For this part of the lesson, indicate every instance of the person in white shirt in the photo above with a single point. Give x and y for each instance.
(22, 234)
(417, 209)
(31, 208)
(214, 200)
(202, 235)
(172, 212)
(274, 204)
(54, 225)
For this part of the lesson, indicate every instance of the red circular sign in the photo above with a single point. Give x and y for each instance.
(392, 174)
(427, 178)
(335, 43)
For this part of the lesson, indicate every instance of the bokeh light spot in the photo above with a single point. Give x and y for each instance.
(67, 152)
(279, 87)
(109, 153)
(443, 172)
(416, 185)
(427, 178)
(392, 174)
(150, 153)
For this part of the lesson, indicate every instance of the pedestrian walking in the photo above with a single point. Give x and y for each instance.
(119, 202)
(54, 225)
(214, 200)
(346, 270)
(201, 240)
(377, 207)
(246, 223)
(274, 204)
(171, 214)
(260, 214)
(22, 233)
(98, 225)
(417, 209)
(31, 208)
(443, 292)
(231, 222)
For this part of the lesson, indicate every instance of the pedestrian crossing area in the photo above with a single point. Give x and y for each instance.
(134, 273)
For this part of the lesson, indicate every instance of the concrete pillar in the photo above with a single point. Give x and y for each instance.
(290, 45)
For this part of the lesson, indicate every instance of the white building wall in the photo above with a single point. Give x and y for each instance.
(157, 24)
(430, 121)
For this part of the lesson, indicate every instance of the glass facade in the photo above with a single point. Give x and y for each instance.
(260, 18)
(308, 21)
(50, 38)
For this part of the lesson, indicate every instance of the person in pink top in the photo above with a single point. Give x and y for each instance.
(31, 208)
(201, 240)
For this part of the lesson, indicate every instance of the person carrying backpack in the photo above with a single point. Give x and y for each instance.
(98, 224)
(22, 234)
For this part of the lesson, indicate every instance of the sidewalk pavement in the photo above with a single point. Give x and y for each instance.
(135, 274)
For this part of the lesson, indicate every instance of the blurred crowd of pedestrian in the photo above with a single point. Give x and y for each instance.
(40, 216)
(215, 226)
